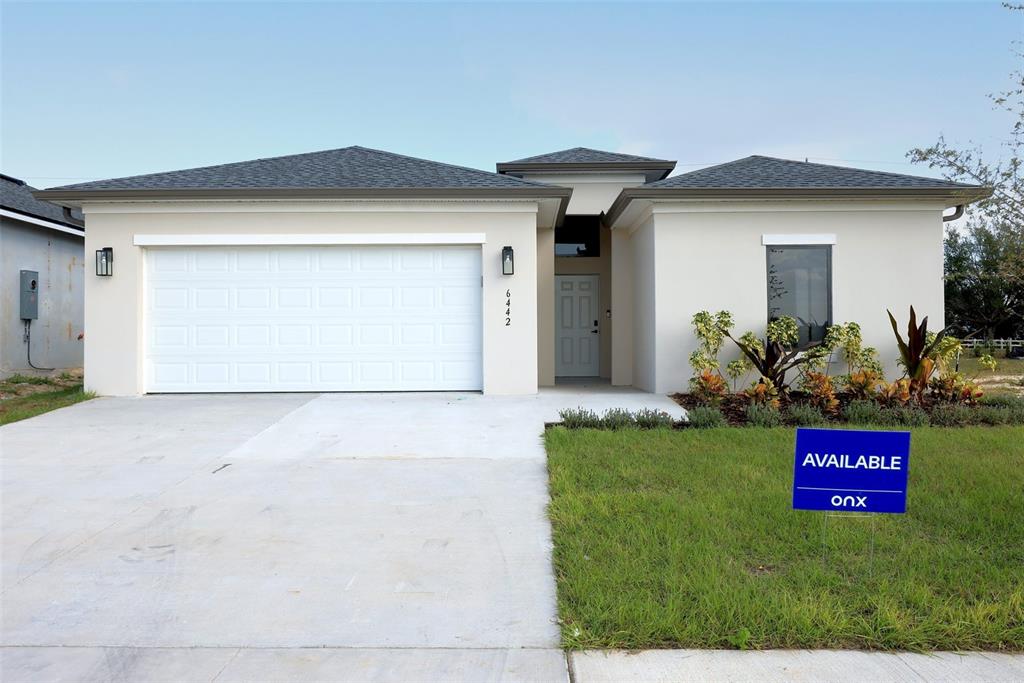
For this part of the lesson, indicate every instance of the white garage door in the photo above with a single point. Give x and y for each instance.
(324, 318)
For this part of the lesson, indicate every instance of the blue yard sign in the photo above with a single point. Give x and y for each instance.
(851, 471)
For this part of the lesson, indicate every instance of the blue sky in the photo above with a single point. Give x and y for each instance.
(94, 90)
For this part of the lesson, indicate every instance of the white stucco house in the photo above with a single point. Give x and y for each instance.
(361, 270)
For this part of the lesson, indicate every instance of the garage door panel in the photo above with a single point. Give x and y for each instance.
(313, 319)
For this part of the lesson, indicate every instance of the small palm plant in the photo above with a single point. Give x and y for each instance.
(917, 353)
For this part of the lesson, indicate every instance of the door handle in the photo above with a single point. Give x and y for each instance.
(593, 332)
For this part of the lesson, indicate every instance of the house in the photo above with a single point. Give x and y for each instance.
(360, 270)
(41, 250)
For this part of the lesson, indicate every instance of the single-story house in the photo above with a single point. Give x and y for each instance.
(361, 270)
(41, 293)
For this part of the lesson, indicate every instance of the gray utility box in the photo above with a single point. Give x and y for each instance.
(29, 294)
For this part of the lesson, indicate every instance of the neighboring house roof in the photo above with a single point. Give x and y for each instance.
(586, 159)
(769, 177)
(16, 201)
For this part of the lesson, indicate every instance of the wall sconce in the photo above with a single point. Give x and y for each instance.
(105, 261)
(507, 262)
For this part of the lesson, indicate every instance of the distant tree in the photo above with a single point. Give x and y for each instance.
(984, 263)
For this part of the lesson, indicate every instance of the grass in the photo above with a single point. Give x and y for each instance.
(23, 407)
(1007, 378)
(686, 539)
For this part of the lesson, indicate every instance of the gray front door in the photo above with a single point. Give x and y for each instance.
(576, 331)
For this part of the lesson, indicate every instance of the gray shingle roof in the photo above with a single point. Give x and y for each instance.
(759, 172)
(350, 168)
(16, 196)
(584, 155)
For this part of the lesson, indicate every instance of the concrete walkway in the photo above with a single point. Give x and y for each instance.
(284, 537)
(827, 666)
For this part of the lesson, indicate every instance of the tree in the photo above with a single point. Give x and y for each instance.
(984, 264)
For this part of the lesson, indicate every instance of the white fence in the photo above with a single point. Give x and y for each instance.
(994, 344)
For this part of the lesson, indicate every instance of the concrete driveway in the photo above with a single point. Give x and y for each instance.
(284, 537)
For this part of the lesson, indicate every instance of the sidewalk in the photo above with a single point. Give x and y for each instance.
(834, 666)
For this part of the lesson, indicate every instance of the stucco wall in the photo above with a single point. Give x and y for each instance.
(114, 305)
(546, 308)
(592, 192)
(622, 308)
(711, 256)
(646, 292)
(58, 258)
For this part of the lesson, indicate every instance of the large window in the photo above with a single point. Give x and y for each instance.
(800, 286)
(579, 236)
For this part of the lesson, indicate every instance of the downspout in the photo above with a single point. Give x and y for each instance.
(957, 213)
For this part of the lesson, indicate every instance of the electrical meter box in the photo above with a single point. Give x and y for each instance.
(29, 294)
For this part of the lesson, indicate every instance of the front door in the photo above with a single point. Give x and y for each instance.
(576, 331)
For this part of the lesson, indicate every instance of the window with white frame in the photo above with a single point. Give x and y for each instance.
(800, 286)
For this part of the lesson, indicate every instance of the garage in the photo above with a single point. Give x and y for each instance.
(313, 318)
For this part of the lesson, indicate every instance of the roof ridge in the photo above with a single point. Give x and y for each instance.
(385, 153)
(699, 170)
(533, 183)
(203, 168)
(854, 168)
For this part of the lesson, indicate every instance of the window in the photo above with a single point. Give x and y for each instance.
(800, 286)
(579, 236)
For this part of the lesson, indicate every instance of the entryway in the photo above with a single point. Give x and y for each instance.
(577, 338)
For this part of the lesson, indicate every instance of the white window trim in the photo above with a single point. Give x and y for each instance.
(768, 240)
(315, 239)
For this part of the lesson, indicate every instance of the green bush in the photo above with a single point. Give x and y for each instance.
(804, 415)
(993, 415)
(952, 415)
(905, 416)
(763, 416)
(578, 418)
(705, 417)
(1002, 400)
(864, 412)
(648, 418)
(618, 418)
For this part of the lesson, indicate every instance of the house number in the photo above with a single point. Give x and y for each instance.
(508, 308)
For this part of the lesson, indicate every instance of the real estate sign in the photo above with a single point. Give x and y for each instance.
(851, 471)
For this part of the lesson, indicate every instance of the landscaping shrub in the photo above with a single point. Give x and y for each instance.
(803, 415)
(952, 415)
(706, 417)
(821, 393)
(617, 418)
(905, 416)
(993, 415)
(763, 416)
(648, 418)
(863, 412)
(1003, 400)
(578, 418)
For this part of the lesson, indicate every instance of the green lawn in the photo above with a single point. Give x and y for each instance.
(686, 539)
(30, 405)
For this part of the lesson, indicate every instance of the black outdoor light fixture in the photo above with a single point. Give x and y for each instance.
(105, 261)
(507, 262)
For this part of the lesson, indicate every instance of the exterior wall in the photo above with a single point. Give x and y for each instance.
(622, 308)
(59, 259)
(593, 192)
(602, 267)
(646, 334)
(114, 305)
(711, 256)
(546, 308)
